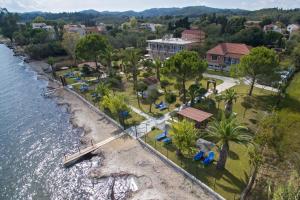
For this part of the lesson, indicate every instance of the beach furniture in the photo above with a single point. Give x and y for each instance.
(163, 106)
(209, 159)
(84, 88)
(124, 113)
(199, 155)
(161, 136)
(69, 75)
(167, 140)
(158, 105)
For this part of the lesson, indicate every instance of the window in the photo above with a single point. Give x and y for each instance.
(214, 57)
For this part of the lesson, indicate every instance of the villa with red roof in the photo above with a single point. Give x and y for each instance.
(222, 56)
(193, 35)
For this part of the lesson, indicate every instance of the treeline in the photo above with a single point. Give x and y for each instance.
(38, 43)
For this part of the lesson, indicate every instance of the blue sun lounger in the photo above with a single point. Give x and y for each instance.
(161, 136)
(69, 75)
(167, 140)
(210, 158)
(163, 106)
(159, 105)
(199, 155)
(77, 79)
(84, 88)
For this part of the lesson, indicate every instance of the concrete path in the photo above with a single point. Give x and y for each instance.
(248, 82)
(227, 83)
(148, 124)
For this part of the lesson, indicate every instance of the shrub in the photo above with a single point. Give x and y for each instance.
(208, 105)
(170, 98)
(40, 51)
(146, 74)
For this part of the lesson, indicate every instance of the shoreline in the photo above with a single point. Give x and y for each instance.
(124, 156)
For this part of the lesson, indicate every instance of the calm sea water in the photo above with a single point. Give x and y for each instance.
(34, 135)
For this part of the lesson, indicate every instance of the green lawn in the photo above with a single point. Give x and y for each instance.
(217, 72)
(259, 105)
(229, 182)
(131, 95)
(133, 119)
(284, 158)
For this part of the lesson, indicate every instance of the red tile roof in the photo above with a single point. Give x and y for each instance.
(193, 31)
(195, 114)
(151, 80)
(230, 48)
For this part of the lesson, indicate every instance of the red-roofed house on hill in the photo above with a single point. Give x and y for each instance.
(222, 56)
(193, 35)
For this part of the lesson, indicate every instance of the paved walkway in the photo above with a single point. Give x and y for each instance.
(81, 82)
(148, 124)
(248, 82)
(227, 83)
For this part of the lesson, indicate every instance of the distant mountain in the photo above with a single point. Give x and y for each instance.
(90, 12)
(186, 11)
(153, 12)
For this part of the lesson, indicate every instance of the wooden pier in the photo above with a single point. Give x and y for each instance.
(69, 159)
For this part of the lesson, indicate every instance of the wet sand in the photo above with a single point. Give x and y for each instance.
(125, 156)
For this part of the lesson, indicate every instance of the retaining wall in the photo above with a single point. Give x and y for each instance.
(182, 171)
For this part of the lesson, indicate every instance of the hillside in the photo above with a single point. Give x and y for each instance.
(153, 12)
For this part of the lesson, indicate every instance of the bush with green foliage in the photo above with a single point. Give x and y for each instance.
(40, 51)
(170, 98)
(184, 136)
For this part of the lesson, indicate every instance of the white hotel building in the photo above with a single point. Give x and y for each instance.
(166, 47)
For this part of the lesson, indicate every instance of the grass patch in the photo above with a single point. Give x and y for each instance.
(250, 110)
(131, 95)
(229, 182)
(217, 72)
(133, 119)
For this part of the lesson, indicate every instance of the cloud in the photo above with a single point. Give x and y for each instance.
(20, 5)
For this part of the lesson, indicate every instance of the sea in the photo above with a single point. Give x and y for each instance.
(35, 133)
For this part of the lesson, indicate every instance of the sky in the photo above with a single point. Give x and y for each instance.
(138, 5)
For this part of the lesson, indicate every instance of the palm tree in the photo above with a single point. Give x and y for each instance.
(108, 56)
(157, 64)
(132, 56)
(120, 54)
(218, 99)
(141, 87)
(225, 131)
(193, 92)
(229, 96)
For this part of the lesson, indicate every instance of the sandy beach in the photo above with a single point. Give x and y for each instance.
(124, 156)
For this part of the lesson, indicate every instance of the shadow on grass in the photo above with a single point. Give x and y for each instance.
(290, 103)
(253, 121)
(233, 155)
